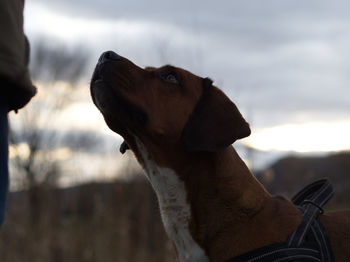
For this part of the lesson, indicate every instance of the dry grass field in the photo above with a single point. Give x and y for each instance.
(120, 221)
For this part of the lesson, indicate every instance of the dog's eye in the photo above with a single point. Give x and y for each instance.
(171, 78)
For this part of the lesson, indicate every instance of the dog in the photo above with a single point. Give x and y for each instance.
(181, 129)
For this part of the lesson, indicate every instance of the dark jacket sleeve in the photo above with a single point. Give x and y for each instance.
(16, 87)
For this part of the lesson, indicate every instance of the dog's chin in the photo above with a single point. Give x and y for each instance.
(103, 100)
(120, 115)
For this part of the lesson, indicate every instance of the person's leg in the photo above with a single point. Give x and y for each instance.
(4, 179)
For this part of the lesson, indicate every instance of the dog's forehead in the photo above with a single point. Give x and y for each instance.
(188, 81)
(150, 68)
(170, 68)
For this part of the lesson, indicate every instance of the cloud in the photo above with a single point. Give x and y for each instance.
(182, 10)
(280, 61)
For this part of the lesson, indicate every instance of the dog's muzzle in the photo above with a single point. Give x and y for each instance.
(109, 56)
(106, 57)
(109, 100)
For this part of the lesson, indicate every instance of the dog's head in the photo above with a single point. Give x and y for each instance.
(166, 105)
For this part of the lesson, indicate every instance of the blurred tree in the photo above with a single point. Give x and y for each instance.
(35, 140)
(57, 71)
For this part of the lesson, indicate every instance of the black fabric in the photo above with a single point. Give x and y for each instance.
(276, 252)
(310, 241)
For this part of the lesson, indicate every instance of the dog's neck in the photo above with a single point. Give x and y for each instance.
(204, 200)
(174, 207)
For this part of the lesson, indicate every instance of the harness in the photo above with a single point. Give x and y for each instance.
(310, 241)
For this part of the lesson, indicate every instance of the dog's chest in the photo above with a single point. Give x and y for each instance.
(175, 210)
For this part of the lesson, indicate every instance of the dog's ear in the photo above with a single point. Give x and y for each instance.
(215, 122)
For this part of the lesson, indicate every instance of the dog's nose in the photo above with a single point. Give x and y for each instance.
(109, 56)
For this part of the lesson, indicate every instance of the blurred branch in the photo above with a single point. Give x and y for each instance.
(57, 63)
(57, 70)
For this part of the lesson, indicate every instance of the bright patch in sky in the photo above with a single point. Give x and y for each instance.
(70, 28)
(303, 138)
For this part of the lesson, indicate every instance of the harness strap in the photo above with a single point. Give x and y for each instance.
(322, 239)
(310, 201)
(280, 253)
(309, 242)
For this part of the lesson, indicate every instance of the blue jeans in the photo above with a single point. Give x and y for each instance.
(4, 176)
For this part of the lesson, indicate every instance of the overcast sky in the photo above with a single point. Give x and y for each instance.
(284, 63)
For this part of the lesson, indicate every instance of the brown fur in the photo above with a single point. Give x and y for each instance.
(232, 213)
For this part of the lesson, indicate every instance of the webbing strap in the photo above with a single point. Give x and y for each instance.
(322, 239)
(310, 200)
(309, 242)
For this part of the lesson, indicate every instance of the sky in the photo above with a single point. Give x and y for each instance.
(284, 63)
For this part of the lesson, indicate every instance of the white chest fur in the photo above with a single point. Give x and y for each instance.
(175, 210)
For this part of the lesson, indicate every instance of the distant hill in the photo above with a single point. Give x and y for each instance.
(288, 175)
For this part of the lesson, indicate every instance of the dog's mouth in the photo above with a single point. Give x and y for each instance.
(102, 95)
(122, 116)
(96, 76)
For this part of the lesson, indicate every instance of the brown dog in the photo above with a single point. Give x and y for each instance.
(181, 128)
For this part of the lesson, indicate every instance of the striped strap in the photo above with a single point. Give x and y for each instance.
(309, 242)
(280, 252)
(310, 200)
